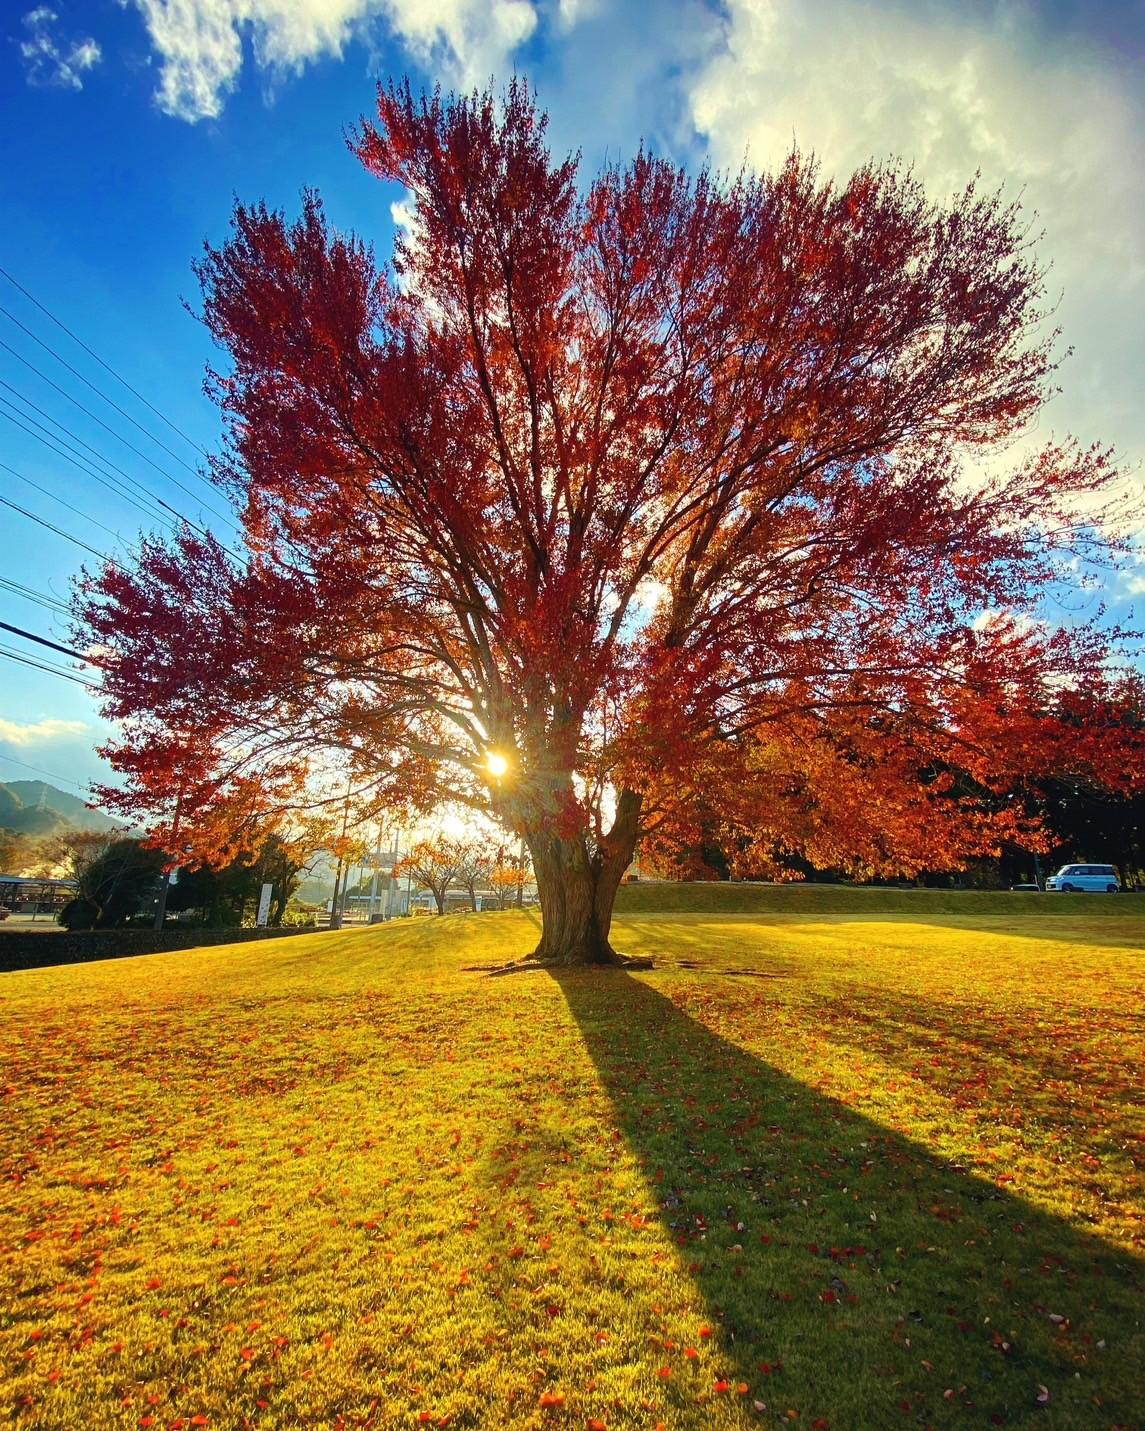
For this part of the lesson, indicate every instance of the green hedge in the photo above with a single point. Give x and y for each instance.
(728, 898)
(40, 949)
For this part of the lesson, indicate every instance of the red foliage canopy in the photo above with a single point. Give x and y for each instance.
(680, 493)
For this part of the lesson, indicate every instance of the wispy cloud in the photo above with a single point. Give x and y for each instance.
(51, 60)
(954, 90)
(40, 732)
(200, 43)
(1054, 114)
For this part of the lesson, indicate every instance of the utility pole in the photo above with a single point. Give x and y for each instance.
(393, 893)
(374, 881)
(335, 903)
(346, 895)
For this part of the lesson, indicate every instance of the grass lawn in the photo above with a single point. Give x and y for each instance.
(846, 1171)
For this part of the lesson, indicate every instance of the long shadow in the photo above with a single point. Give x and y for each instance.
(1054, 1068)
(1123, 930)
(848, 1273)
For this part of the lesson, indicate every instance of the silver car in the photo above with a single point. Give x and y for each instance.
(1083, 879)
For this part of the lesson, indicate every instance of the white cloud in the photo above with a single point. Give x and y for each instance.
(994, 616)
(1135, 585)
(466, 40)
(953, 90)
(39, 732)
(49, 60)
(404, 214)
(569, 12)
(200, 42)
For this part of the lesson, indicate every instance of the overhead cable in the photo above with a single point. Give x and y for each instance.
(41, 598)
(103, 556)
(43, 666)
(40, 771)
(43, 641)
(117, 435)
(110, 401)
(47, 492)
(76, 459)
(47, 312)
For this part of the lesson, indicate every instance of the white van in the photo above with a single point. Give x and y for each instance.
(1081, 879)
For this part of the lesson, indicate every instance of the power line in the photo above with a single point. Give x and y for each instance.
(89, 466)
(44, 666)
(41, 598)
(40, 771)
(106, 366)
(59, 448)
(103, 556)
(117, 435)
(110, 402)
(84, 465)
(43, 641)
(47, 492)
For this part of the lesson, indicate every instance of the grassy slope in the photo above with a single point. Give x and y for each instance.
(855, 1173)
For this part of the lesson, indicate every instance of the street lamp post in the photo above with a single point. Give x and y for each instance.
(336, 903)
(374, 881)
(164, 888)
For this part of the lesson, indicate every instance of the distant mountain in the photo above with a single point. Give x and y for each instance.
(33, 807)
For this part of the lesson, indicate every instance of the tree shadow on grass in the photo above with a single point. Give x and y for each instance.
(848, 1273)
(1069, 1069)
(1124, 929)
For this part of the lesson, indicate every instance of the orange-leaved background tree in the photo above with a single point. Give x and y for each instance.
(645, 508)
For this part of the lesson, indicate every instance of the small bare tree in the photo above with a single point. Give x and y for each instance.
(434, 865)
(507, 876)
(71, 853)
(477, 862)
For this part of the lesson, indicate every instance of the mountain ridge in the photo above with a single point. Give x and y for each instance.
(34, 807)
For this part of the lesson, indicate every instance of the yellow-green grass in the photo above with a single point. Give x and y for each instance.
(850, 1173)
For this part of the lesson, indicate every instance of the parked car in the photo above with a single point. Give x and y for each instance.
(1082, 879)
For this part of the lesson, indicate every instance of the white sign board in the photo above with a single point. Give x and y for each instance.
(264, 905)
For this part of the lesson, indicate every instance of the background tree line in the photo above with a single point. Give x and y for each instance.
(118, 879)
(480, 867)
(1080, 822)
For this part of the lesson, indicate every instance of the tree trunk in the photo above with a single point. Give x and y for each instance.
(577, 888)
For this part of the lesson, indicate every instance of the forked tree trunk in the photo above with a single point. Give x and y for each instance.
(577, 889)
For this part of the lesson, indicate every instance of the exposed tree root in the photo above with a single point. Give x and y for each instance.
(534, 962)
(610, 959)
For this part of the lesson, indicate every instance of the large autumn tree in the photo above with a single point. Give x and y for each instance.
(615, 509)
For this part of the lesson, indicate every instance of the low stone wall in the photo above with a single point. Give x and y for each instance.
(20, 949)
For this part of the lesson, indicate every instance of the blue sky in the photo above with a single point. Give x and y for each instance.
(133, 124)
